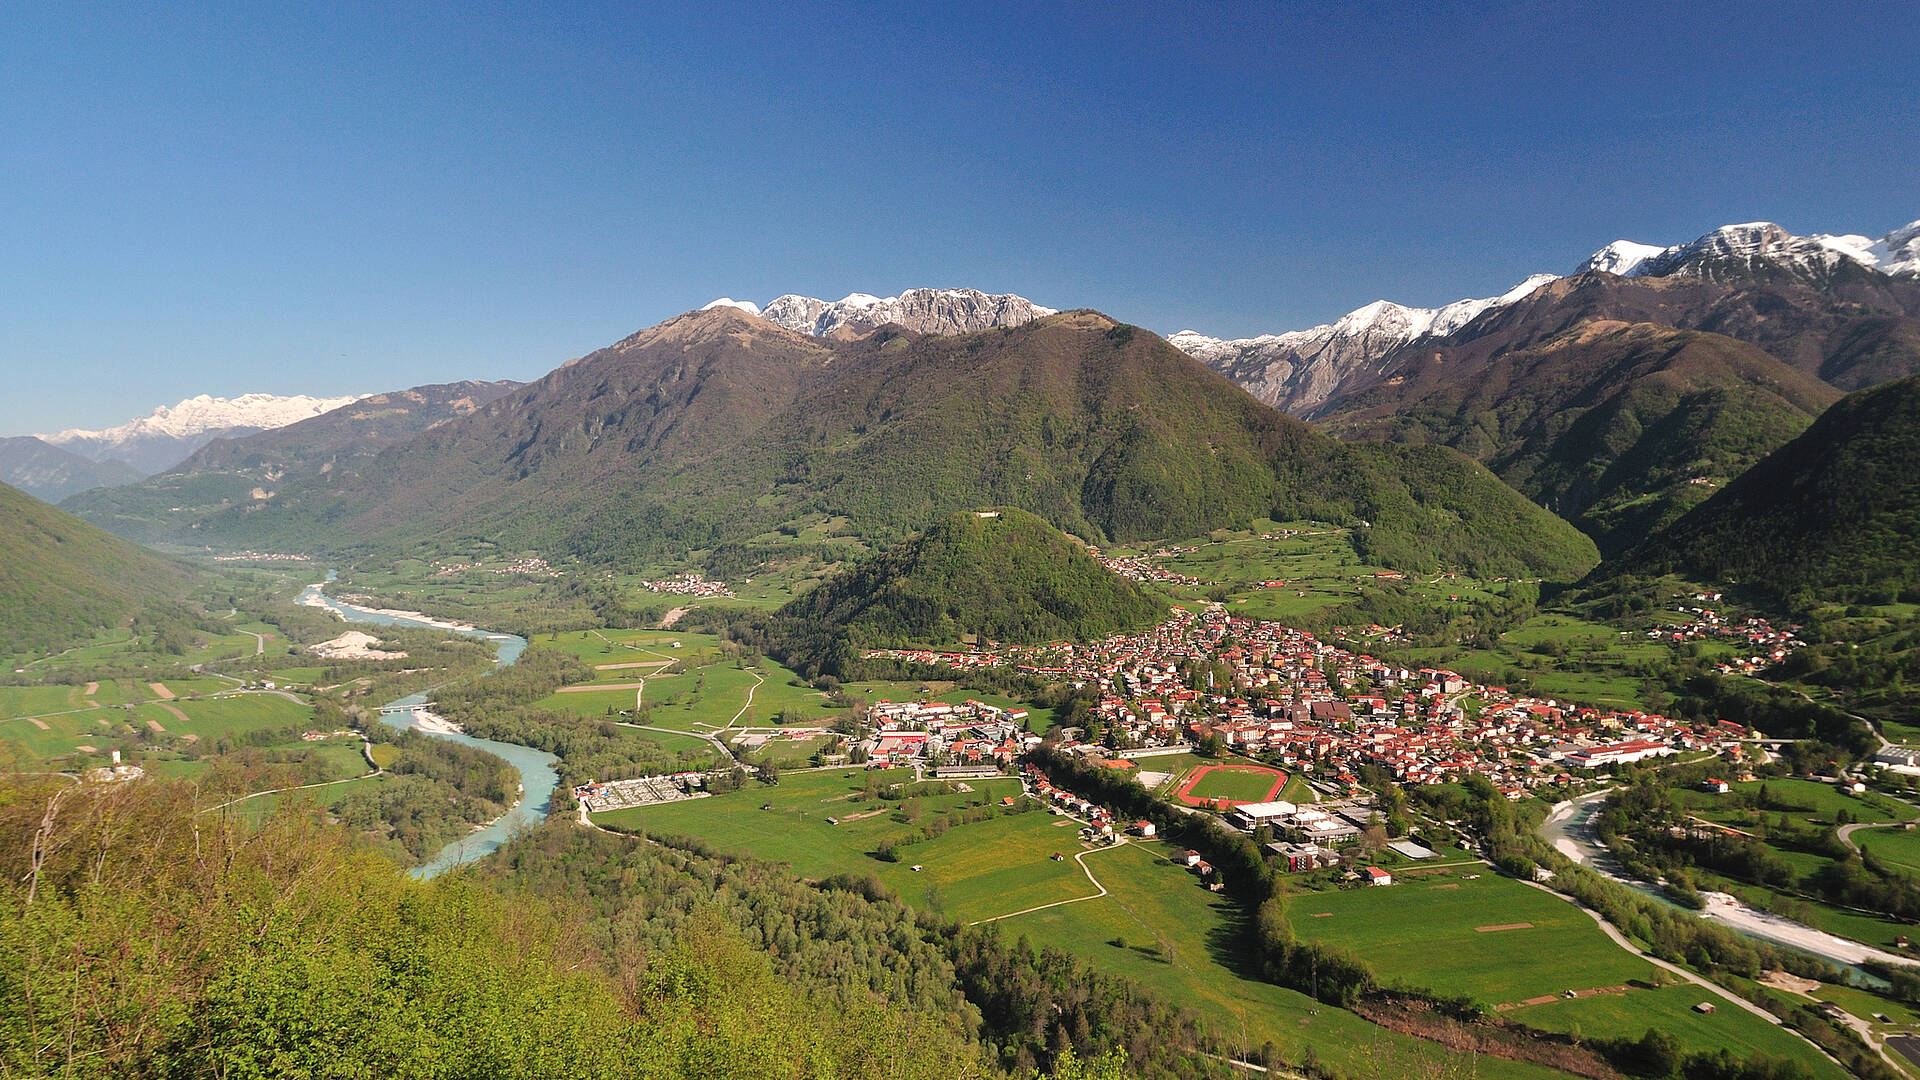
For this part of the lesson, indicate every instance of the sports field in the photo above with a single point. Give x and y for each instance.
(1233, 785)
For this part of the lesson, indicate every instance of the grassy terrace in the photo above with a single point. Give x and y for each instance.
(690, 682)
(55, 737)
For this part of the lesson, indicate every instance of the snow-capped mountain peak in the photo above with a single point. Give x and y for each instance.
(1898, 252)
(927, 311)
(169, 434)
(1732, 251)
(747, 306)
(1620, 257)
(1298, 370)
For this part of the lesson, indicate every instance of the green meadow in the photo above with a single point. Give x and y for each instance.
(1460, 932)
(1426, 931)
(787, 822)
(1160, 927)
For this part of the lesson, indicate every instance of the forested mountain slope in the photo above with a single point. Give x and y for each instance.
(718, 427)
(1620, 427)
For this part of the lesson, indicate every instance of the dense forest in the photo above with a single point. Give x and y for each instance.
(139, 940)
(1009, 577)
(1832, 516)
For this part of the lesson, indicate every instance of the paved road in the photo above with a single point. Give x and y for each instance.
(1569, 829)
(1847, 831)
(717, 744)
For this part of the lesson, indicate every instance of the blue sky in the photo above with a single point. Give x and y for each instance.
(225, 199)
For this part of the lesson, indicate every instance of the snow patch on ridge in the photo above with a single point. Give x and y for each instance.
(1763, 245)
(926, 311)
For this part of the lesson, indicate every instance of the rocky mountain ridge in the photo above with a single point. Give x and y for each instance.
(924, 311)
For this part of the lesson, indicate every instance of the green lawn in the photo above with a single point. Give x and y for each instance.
(1896, 846)
(702, 699)
(211, 718)
(1670, 1009)
(1298, 791)
(39, 700)
(1425, 932)
(1815, 803)
(993, 867)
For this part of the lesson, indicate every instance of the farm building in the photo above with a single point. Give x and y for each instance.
(1377, 876)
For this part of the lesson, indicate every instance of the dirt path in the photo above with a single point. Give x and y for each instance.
(757, 680)
(301, 787)
(1082, 860)
(717, 744)
(635, 664)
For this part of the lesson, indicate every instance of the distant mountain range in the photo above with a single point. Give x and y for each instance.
(237, 470)
(924, 311)
(49, 473)
(166, 436)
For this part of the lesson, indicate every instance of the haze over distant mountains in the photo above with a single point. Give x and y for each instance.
(166, 436)
(718, 430)
(47, 472)
(239, 469)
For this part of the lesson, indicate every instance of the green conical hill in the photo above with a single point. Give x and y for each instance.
(1003, 574)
